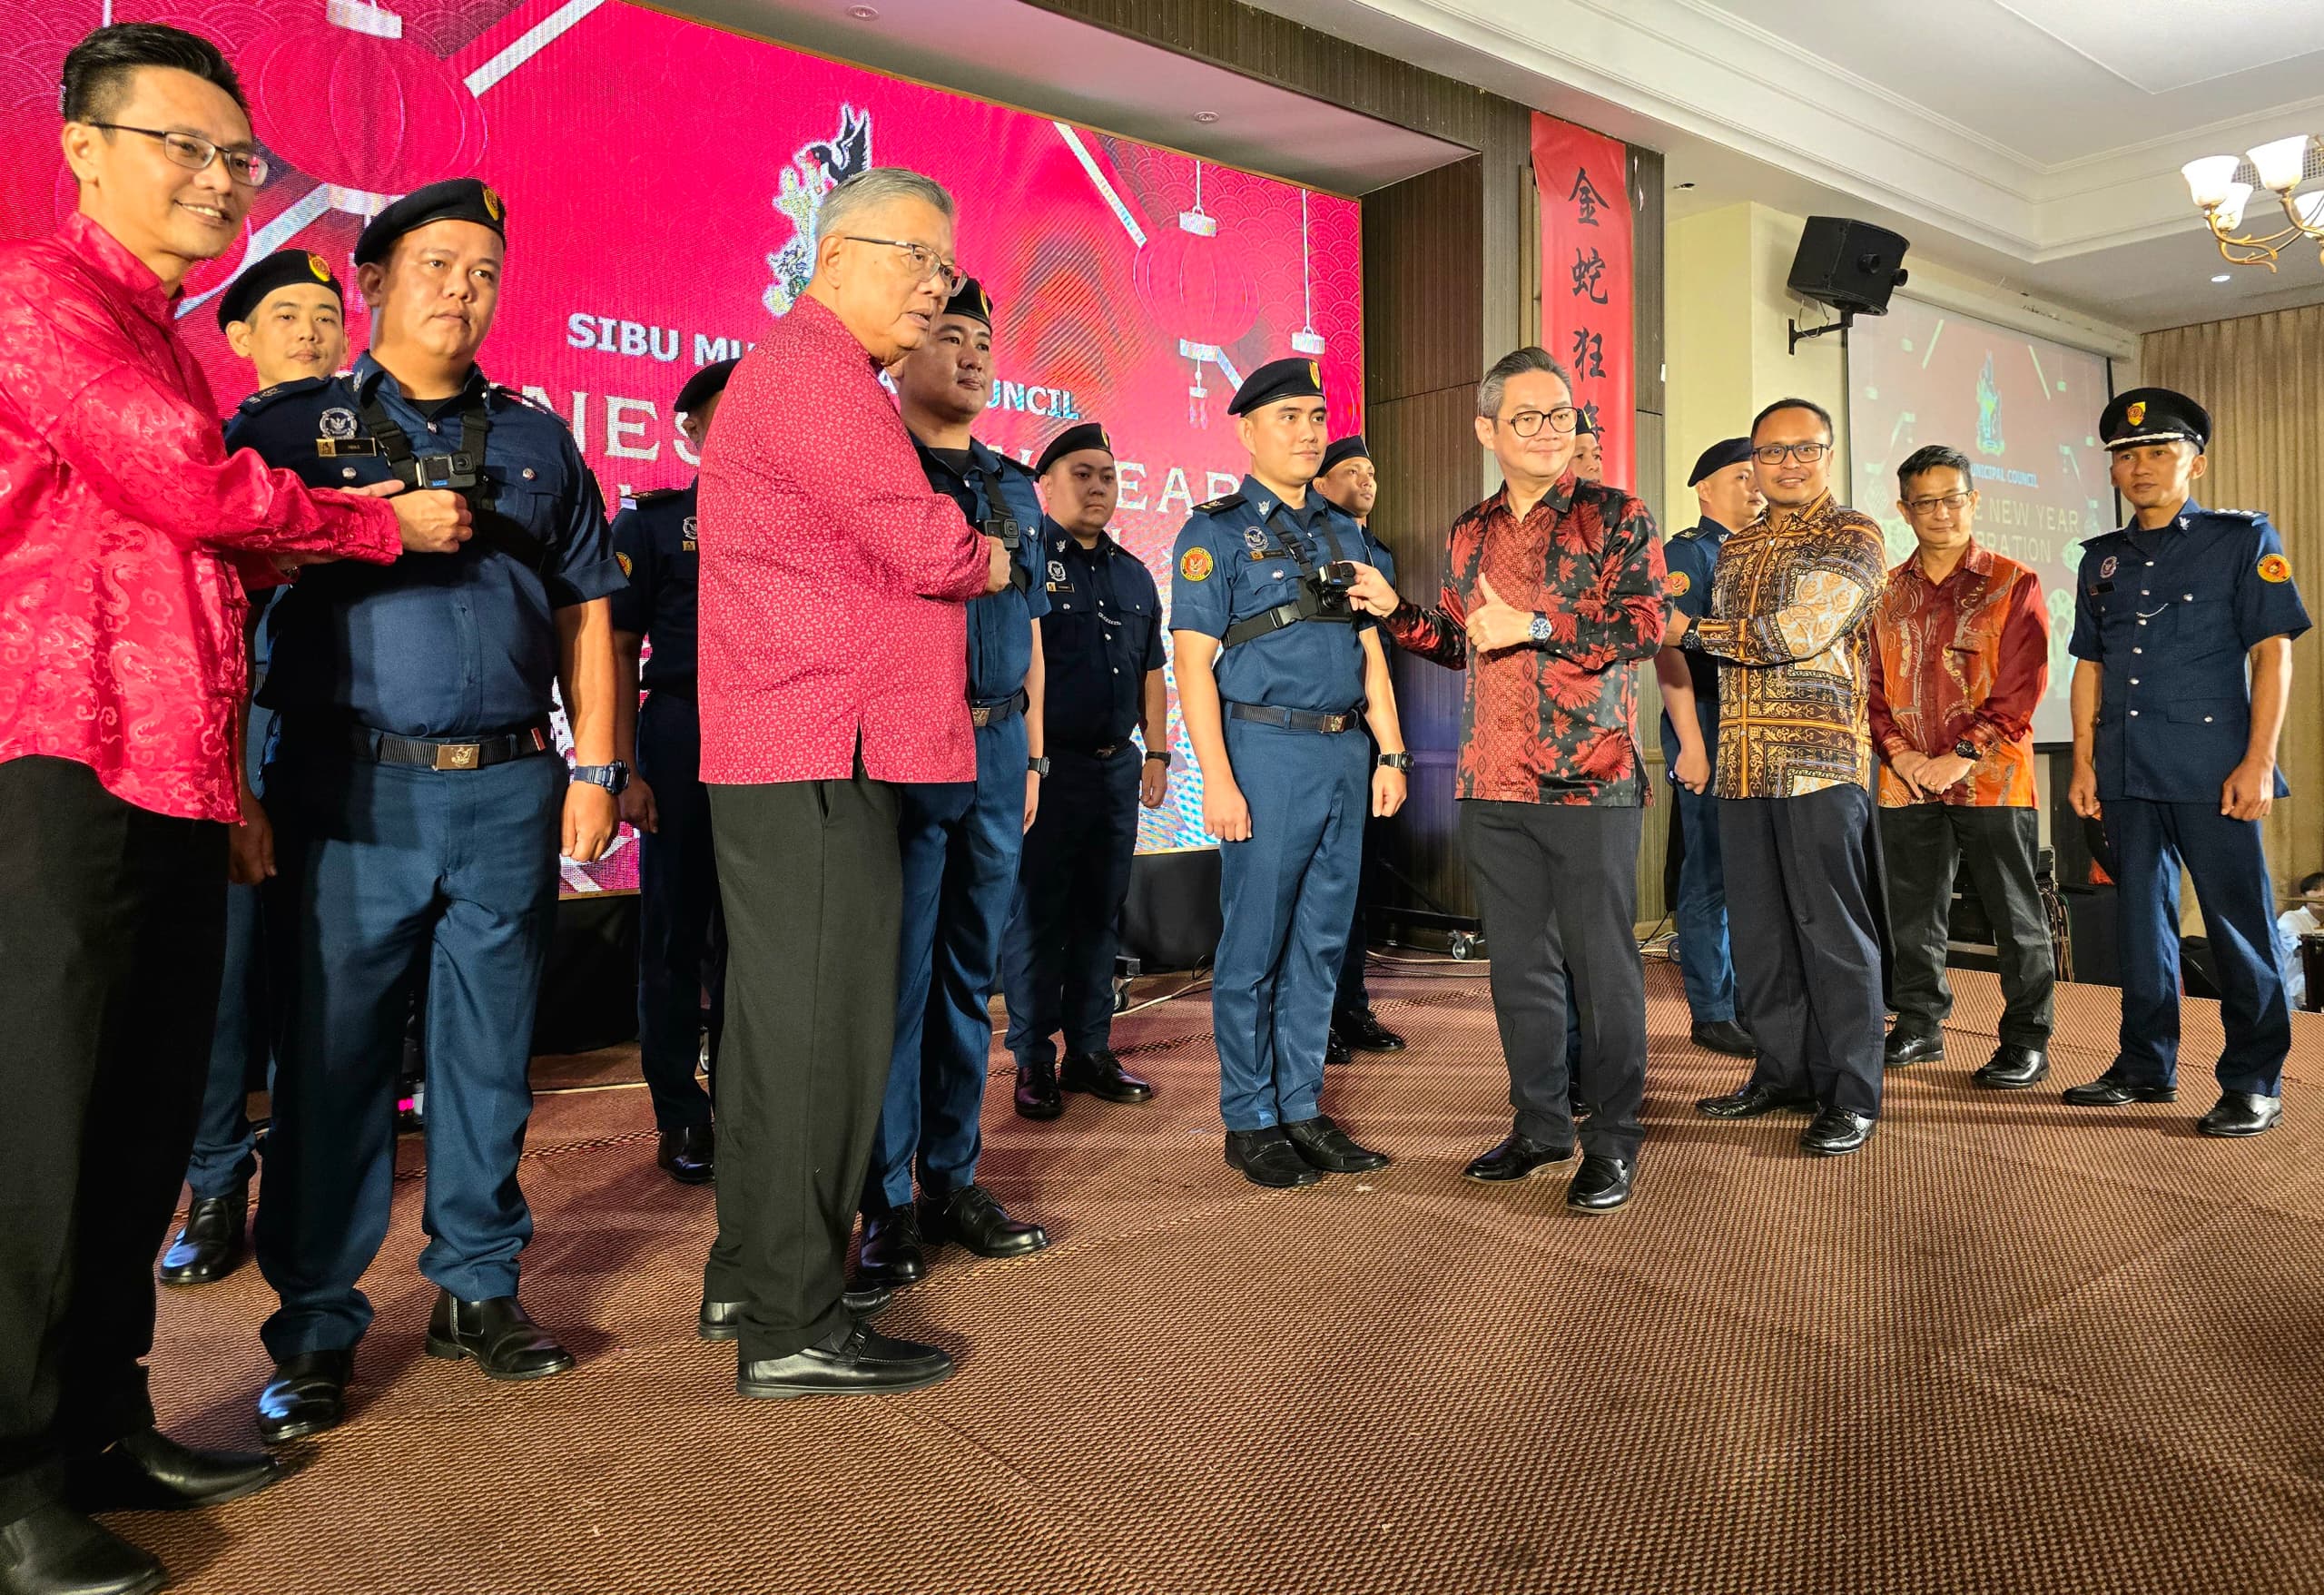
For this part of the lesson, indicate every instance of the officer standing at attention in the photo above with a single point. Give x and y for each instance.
(1349, 481)
(1275, 671)
(2175, 752)
(680, 942)
(962, 841)
(419, 805)
(286, 316)
(1101, 649)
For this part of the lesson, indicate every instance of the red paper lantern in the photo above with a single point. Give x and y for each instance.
(1196, 284)
(377, 115)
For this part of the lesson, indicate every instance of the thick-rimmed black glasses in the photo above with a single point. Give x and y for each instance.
(1805, 453)
(194, 152)
(1527, 423)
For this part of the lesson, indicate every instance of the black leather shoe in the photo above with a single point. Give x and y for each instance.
(723, 1319)
(307, 1395)
(1600, 1184)
(1836, 1131)
(1267, 1157)
(498, 1334)
(1724, 1036)
(1102, 1075)
(53, 1550)
(146, 1471)
(1905, 1048)
(1363, 1031)
(2111, 1090)
(1036, 1089)
(2012, 1068)
(690, 1155)
(1327, 1146)
(857, 1360)
(1336, 1050)
(1752, 1101)
(891, 1254)
(974, 1217)
(1518, 1157)
(210, 1246)
(2241, 1113)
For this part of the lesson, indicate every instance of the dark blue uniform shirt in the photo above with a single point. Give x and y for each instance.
(1000, 624)
(654, 540)
(1691, 558)
(1235, 560)
(1101, 635)
(435, 644)
(2170, 616)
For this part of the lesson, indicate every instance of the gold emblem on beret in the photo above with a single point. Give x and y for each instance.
(1105, 442)
(492, 206)
(622, 560)
(316, 264)
(2274, 567)
(2136, 414)
(1315, 373)
(984, 301)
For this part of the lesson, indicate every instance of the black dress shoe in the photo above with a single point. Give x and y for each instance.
(2012, 1068)
(1752, 1101)
(1905, 1048)
(210, 1246)
(1600, 1184)
(690, 1155)
(1267, 1157)
(498, 1334)
(53, 1550)
(2113, 1090)
(307, 1395)
(1036, 1089)
(1724, 1036)
(974, 1217)
(1836, 1131)
(1336, 1050)
(146, 1471)
(1329, 1147)
(723, 1319)
(1102, 1075)
(2241, 1113)
(1518, 1157)
(891, 1249)
(857, 1360)
(1363, 1031)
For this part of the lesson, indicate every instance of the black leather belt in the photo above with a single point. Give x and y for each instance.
(384, 747)
(984, 715)
(1295, 719)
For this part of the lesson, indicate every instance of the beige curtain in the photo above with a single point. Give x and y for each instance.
(2262, 379)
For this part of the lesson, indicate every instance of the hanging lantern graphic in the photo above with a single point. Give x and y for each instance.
(1196, 286)
(1306, 340)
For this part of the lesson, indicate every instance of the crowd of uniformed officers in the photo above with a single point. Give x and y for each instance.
(842, 874)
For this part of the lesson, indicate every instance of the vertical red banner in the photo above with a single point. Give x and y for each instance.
(1583, 178)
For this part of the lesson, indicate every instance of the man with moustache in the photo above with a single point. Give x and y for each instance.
(419, 807)
(833, 672)
(1101, 648)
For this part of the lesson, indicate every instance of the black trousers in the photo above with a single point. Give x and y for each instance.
(1557, 887)
(110, 954)
(1921, 846)
(1803, 917)
(811, 874)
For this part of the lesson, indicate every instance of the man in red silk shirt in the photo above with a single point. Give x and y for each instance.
(127, 532)
(834, 666)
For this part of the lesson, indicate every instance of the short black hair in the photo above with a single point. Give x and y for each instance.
(1809, 405)
(1936, 456)
(2309, 883)
(97, 71)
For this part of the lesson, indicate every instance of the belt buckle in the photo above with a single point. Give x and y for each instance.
(1335, 724)
(457, 755)
(980, 718)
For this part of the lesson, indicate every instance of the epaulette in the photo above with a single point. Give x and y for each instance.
(2253, 515)
(514, 396)
(266, 396)
(1219, 506)
(653, 496)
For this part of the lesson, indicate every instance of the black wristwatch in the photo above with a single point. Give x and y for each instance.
(1968, 750)
(1395, 761)
(1040, 767)
(1163, 754)
(613, 777)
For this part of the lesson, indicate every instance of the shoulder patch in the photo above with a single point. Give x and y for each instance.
(1195, 565)
(1677, 584)
(1220, 505)
(2274, 567)
(623, 560)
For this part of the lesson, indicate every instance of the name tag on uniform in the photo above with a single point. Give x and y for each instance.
(2098, 587)
(340, 447)
(1061, 587)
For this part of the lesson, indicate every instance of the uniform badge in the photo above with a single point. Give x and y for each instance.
(688, 544)
(317, 264)
(2274, 567)
(492, 206)
(338, 423)
(623, 560)
(1315, 373)
(1677, 584)
(2136, 413)
(1057, 570)
(1255, 539)
(1195, 566)
(2106, 568)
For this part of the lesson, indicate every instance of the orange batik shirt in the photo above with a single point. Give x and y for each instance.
(1962, 660)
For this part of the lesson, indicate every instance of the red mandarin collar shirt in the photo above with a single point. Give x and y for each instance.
(121, 617)
(1961, 660)
(834, 576)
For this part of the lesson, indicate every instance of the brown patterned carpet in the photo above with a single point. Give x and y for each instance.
(2009, 1346)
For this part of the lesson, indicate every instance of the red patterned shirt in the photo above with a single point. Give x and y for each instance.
(1961, 660)
(834, 578)
(1554, 722)
(121, 619)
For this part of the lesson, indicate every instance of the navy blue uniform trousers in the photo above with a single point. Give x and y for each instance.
(681, 938)
(1058, 959)
(377, 863)
(225, 1152)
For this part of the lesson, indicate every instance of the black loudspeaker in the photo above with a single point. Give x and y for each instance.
(1851, 266)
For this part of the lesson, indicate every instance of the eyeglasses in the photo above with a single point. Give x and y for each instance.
(1951, 503)
(948, 276)
(1527, 423)
(1805, 453)
(195, 154)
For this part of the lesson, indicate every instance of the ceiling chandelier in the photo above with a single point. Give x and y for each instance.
(2219, 190)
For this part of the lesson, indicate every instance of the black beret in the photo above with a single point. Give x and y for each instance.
(1073, 440)
(972, 302)
(1583, 426)
(460, 198)
(279, 269)
(706, 385)
(1340, 450)
(1298, 378)
(2154, 415)
(1718, 456)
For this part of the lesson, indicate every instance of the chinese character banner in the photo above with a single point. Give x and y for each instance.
(1582, 178)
